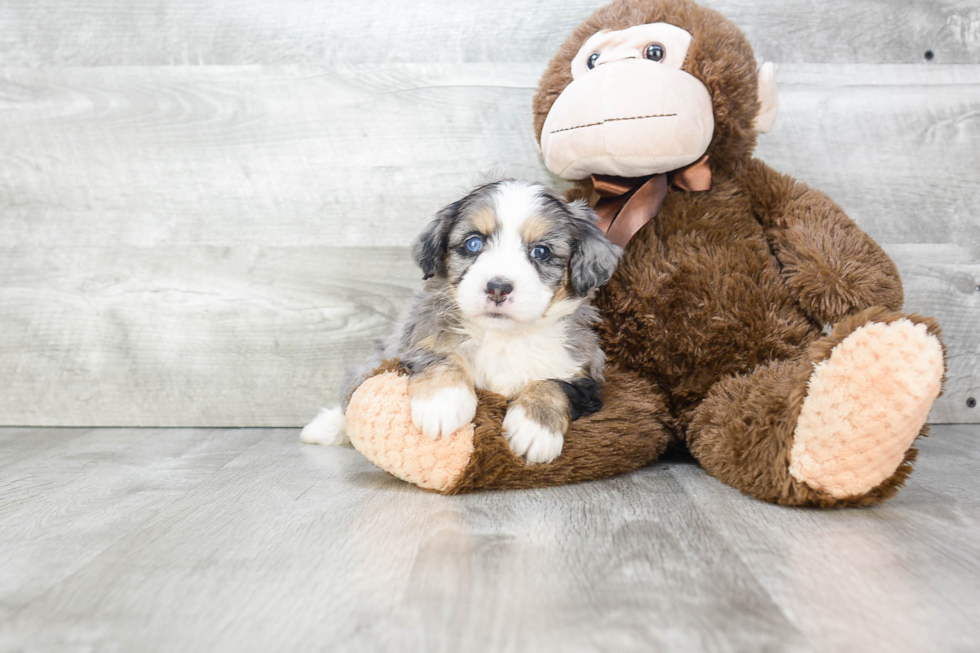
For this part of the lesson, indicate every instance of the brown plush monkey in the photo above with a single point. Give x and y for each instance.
(714, 322)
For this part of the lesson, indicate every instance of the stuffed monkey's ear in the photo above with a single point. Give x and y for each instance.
(431, 247)
(768, 98)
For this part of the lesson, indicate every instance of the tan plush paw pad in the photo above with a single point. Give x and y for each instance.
(865, 405)
(379, 425)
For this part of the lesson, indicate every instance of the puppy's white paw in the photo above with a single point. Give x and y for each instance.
(445, 412)
(328, 427)
(530, 439)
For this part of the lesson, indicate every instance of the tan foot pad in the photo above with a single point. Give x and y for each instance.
(379, 424)
(865, 406)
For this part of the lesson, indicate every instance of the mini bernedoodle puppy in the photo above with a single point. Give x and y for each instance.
(509, 269)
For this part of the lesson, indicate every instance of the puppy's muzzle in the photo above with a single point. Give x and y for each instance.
(498, 289)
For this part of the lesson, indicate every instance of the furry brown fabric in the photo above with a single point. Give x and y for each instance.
(737, 277)
(631, 431)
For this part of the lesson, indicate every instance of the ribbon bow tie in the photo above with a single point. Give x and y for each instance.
(628, 203)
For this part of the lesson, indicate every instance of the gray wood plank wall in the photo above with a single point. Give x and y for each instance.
(205, 207)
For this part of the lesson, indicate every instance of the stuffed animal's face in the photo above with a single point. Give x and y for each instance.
(631, 110)
(649, 86)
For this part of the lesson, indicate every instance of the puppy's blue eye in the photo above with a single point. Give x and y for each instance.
(474, 244)
(540, 252)
(594, 57)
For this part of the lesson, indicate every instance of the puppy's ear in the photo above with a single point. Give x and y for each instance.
(431, 247)
(595, 258)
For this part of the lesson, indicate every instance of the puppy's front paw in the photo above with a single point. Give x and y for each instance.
(444, 412)
(329, 427)
(528, 438)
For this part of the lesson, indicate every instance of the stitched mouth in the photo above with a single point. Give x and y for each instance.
(603, 122)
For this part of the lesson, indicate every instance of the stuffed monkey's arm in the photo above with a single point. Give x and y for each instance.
(833, 267)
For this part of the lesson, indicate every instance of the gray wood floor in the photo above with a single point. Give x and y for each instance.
(245, 540)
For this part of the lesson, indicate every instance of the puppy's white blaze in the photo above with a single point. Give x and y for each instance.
(328, 427)
(515, 202)
(506, 257)
(530, 439)
(445, 412)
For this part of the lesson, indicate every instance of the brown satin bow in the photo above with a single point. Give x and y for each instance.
(628, 203)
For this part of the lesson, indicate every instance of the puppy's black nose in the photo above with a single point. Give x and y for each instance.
(498, 289)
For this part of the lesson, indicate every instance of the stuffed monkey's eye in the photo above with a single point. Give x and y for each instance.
(592, 59)
(473, 245)
(540, 253)
(655, 52)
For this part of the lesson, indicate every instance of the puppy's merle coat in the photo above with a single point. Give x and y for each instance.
(508, 270)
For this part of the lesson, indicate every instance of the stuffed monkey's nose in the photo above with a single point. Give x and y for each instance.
(498, 289)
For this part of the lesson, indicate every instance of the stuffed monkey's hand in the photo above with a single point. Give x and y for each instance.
(830, 264)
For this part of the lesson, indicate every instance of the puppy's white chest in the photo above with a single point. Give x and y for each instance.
(506, 361)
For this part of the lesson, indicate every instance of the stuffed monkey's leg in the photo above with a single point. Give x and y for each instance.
(631, 430)
(834, 428)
